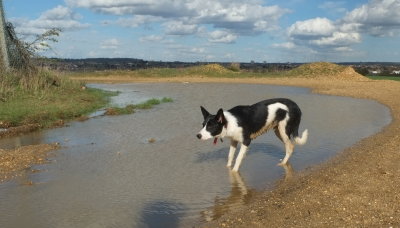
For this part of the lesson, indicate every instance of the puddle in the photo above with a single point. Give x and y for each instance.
(107, 174)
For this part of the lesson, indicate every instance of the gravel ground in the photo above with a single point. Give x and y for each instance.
(13, 162)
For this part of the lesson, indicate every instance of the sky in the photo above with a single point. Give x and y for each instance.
(215, 30)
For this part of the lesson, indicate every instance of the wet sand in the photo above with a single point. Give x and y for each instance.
(360, 187)
(12, 162)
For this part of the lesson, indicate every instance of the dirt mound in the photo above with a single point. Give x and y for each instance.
(326, 70)
(210, 68)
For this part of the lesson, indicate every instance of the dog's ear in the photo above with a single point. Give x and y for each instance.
(205, 112)
(220, 116)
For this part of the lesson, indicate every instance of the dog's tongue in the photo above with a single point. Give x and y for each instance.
(215, 141)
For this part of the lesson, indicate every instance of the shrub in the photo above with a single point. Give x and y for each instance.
(234, 67)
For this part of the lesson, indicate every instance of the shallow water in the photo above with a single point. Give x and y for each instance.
(107, 174)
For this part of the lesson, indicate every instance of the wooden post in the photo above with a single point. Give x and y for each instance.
(3, 44)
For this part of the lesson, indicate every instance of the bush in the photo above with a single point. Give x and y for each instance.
(234, 67)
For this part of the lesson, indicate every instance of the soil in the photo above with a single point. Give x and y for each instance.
(13, 162)
(14, 131)
(360, 187)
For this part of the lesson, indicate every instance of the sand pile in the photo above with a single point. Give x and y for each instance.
(324, 70)
(210, 68)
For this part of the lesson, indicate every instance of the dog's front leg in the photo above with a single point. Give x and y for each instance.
(242, 153)
(232, 150)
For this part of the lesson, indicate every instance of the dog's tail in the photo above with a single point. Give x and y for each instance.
(303, 139)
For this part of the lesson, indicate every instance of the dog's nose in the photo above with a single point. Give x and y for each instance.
(198, 136)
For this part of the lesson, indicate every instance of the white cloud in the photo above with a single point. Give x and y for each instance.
(287, 45)
(162, 8)
(338, 39)
(335, 7)
(197, 50)
(151, 38)
(110, 44)
(377, 17)
(59, 17)
(248, 18)
(321, 34)
(243, 18)
(137, 20)
(180, 28)
(221, 36)
(307, 29)
(343, 49)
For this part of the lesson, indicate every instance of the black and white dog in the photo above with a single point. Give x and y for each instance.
(245, 123)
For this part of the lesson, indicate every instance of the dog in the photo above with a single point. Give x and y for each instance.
(246, 122)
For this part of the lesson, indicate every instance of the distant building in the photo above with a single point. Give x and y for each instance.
(396, 72)
(375, 71)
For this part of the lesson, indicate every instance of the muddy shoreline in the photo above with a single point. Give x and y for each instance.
(13, 162)
(358, 187)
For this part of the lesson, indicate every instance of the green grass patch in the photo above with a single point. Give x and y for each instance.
(45, 98)
(150, 103)
(166, 100)
(112, 111)
(49, 107)
(129, 109)
(395, 78)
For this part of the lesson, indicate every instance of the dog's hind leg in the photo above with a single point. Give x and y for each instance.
(242, 153)
(276, 130)
(232, 150)
(289, 150)
(286, 140)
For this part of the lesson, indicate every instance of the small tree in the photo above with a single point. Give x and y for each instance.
(41, 42)
(234, 67)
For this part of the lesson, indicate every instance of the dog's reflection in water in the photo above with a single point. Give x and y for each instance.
(239, 195)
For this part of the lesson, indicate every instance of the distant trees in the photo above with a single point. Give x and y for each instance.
(362, 70)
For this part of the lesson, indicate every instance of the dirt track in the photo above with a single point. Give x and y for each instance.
(358, 188)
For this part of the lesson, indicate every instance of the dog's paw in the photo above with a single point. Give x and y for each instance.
(229, 165)
(281, 164)
(235, 169)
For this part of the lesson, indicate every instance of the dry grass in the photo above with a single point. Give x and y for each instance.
(326, 70)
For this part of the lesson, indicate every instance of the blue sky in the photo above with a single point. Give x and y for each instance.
(215, 30)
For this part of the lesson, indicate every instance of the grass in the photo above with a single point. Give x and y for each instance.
(113, 111)
(45, 99)
(48, 108)
(395, 78)
(129, 109)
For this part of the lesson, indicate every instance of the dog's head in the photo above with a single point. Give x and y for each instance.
(213, 125)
